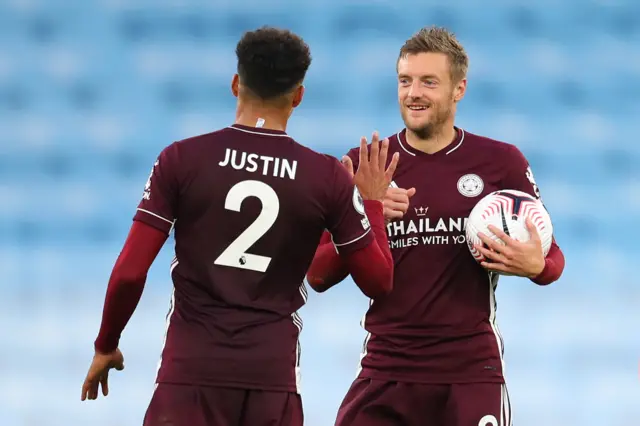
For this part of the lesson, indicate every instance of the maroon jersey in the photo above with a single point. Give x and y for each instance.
(438, 325)
(248, 206)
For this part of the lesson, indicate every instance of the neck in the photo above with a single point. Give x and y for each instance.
(435, 142)
(274, 118)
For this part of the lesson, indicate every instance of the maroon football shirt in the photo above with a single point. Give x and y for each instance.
(438, 325)
(249, 206)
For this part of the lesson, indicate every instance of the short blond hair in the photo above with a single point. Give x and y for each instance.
(439, 40)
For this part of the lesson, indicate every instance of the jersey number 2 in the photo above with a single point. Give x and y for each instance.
(235, 255)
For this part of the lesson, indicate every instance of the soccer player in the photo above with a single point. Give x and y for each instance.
(433, 353)
(248, 205)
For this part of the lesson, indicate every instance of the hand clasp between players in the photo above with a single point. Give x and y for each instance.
(372, 179)
(523, 259)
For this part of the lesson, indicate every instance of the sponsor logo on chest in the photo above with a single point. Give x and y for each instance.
(422, 227)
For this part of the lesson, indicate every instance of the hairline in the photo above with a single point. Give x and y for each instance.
(454, 80)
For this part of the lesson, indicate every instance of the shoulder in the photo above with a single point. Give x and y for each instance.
(184, 154)
(196, 142)
(317, 160)
(495, 149)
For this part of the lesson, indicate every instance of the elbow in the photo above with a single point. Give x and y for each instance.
(551, 273)
(382, 288)
(377, 293)
(124, 279)
(318, 284)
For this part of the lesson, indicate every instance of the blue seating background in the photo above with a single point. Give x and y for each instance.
(91, 91)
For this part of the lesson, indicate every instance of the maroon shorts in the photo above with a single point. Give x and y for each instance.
(379, 403)
(183, 405)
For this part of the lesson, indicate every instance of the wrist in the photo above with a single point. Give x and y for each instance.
(106, 344)
(539, 270)
(373, 204)
(374, 211)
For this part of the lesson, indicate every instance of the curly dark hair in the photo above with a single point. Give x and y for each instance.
(272, 61)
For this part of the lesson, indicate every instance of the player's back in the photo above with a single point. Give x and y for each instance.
(250, 207)
(251, 215)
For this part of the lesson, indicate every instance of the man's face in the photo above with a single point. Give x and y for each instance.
(425, 92)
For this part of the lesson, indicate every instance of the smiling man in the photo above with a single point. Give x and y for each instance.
(433, 352)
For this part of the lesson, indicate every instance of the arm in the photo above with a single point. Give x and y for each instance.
(521, 178)
(153, 221)
(370, 266)
(127, 282)
(327, 268)
(152, 224)
(367, 255)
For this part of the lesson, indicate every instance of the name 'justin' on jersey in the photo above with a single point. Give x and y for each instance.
(268, 166)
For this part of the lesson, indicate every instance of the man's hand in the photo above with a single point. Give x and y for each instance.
(396, 203)
(99, 373)
(523, 259)
(372, 179)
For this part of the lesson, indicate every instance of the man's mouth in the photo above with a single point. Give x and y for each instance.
(415, 107)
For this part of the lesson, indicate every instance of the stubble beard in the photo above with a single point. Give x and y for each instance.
(432, 127)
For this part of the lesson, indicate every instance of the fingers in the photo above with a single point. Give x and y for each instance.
(395, 205)
(390, 214)
(384, 150)
(496, 267)
(85, 391)
(398, 195)
(490, 243)
(104, 383)
(374, 155)
(364, 154)
(89, 389)
(392, 166)
(411, 192)
(492, 255)
(502, 235)
(533, 231)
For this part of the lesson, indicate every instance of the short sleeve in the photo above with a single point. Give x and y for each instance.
(346, 219)
(159, 198)
(519, 175)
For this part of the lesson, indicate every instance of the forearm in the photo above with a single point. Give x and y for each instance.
(372, 266)
(327, 268)
(127, 283)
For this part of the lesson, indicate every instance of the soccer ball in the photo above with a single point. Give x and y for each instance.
(507, 210)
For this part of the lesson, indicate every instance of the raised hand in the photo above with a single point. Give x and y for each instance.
(523, 259)
(372, 179)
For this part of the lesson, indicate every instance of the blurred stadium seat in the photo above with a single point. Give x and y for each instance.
(90, 92)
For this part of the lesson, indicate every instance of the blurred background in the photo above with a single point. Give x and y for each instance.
(92, 90)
